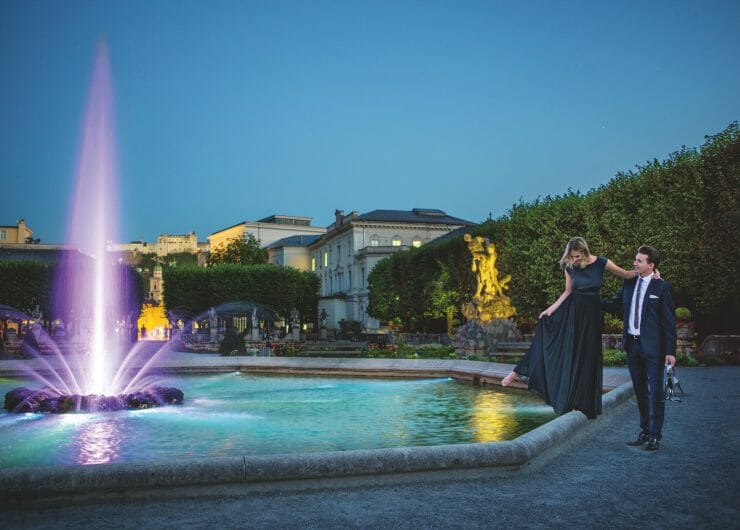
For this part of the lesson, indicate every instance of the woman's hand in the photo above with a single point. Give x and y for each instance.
(546, 313)
(656, 274)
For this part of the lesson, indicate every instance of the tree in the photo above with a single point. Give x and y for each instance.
(246, 251)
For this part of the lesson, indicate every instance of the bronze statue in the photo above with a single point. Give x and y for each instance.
(489, 300)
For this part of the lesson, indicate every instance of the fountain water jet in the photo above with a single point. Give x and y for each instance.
(93, 296)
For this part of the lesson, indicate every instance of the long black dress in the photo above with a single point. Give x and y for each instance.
(564, 362)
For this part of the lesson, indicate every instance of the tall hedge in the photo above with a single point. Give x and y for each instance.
(196, 289)
(27, 284)
(686, 206)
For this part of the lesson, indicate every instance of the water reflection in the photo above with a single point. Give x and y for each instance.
(497, 416)
(98, 442)
(493, 418)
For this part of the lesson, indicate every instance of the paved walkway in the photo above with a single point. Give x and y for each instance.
(593, 481)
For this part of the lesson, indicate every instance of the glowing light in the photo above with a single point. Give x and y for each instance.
(99, 442)
(96, 300)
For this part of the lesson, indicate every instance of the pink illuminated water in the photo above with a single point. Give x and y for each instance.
(94, 215)
(95, 367)
(92, 295)
(93, 222)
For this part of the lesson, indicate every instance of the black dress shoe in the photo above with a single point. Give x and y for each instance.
(642, 439)
(652, 445)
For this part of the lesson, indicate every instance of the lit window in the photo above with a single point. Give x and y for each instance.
(326, 259)
(416, 243)
(396, 242)
(374, 241)
(313, 264)
(3, 235)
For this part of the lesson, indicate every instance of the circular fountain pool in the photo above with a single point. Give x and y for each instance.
(235, 414)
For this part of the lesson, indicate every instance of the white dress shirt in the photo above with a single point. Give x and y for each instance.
(643, 289)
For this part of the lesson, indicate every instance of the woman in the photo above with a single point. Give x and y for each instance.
(564, 362)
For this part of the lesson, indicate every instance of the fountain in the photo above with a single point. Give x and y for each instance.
(93, 293)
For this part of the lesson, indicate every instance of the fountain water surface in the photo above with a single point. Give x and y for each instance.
(94, 294)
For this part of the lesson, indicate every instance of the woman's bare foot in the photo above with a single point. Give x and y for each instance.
(506, 381)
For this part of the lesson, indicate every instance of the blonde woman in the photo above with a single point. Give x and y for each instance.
(564, 362)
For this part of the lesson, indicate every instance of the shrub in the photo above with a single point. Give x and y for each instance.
(612, 324)
(614, 357)
(232, 344)
(684, 360)
(292, 349)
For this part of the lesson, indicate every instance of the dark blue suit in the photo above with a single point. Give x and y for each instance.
(646, 356)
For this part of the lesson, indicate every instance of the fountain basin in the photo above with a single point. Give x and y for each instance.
(243, 468)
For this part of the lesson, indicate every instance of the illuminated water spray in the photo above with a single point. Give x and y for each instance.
(94, 292)
(93, 224)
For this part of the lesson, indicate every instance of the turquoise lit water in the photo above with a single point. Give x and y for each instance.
(237, 414)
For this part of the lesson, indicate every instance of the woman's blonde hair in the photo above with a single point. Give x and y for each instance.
(577, 244)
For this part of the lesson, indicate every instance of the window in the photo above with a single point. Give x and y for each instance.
(339, 253)
(3, 235)
(416, 243)
(326, 259)
(313, 264)
(396, 242)
(374, 241)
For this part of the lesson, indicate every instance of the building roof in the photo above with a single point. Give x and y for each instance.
(294, 241)
(44, 255)
(297, 220)
(417, 215)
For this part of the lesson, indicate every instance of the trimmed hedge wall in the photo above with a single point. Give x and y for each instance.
(196, 289)
(686, 207)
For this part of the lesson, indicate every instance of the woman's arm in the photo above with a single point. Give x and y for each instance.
(619, 272)
(568, 289)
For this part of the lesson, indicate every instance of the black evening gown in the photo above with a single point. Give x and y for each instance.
(564, 362)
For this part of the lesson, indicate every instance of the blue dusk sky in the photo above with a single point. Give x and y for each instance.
(229, 111)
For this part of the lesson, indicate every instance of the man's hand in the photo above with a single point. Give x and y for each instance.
(670, 359)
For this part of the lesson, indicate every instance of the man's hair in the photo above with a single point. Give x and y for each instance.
(653, 256)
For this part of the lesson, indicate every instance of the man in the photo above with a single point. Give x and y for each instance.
(649, 338)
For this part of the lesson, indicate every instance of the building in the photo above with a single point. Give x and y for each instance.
(19, 234)
(355, 243)
(177, 244)
(166, 244)
(156, 285)
(267, 230)
(291, 251)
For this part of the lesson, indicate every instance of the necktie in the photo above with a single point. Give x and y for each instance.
(636, 319)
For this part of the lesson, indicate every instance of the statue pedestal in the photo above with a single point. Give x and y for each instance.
(481, 338)
(255, 334)
(296, 333)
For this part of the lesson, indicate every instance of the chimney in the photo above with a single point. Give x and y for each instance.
(21, 237)
(338, 217)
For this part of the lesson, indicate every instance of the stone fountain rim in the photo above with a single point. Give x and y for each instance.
(24, 483)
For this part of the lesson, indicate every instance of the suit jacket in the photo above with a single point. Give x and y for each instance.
(658, 318)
